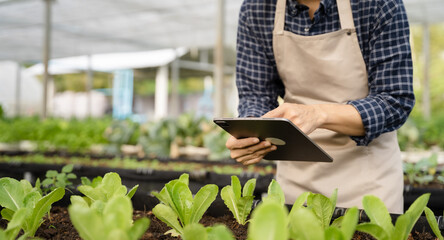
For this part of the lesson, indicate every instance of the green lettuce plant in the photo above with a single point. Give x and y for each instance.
(25, 204)
(381, 226)
(310, 218)
(112, 220)
(14, 226)
(431, 219)
(178, 208)
(196, 231)
(239, 201)
(106, 188)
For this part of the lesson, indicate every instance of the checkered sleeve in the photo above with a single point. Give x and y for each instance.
(390, 71)
(257, 79)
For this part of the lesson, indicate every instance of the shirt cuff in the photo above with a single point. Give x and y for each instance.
(373, 116)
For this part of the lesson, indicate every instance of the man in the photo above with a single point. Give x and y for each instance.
(344, 70)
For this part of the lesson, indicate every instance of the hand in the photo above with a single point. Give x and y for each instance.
(248, 150)
(306, 117)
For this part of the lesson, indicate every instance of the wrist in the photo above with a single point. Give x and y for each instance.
(322, 115)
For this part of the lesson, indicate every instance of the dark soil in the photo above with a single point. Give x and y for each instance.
(58, 227)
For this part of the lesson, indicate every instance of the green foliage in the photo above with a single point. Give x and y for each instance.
(2, 112)
(119, 133)
(196, 231)
(381, 226)
(421, 172)
(105, 189)
(24, 204)
(156, 137)
(55, 179)
(14, 226)
(177, 202)
(55, 134)
(431, 219)
(110, 220)
(269, 222)
(275, 193)
(239, 202)
(419, 133)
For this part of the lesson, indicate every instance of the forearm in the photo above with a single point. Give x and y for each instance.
(341, 118)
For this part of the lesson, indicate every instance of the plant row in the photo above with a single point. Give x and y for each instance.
(158, 138)
(105, 211)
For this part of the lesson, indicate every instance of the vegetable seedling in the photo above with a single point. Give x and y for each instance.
(239, 201)
(21, 200)
(177, 202)
(110, 220)
(55, 179)
(381, 226)
(106, 188)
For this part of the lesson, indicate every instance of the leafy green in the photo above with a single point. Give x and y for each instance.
(323, 207)
(55, 179)
(431, 219)
(275, 193)
(21, 201)
(196, 231)
(106, 188)
(177, 202)
(381, 226)
(115, 221)
(268, 222)
(239, 203)
(14, 225)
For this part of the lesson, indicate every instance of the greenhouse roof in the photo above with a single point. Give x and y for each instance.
(86, 27)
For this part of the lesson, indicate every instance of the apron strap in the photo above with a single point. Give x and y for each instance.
(279, 18)
(345, 14)
(344, 9)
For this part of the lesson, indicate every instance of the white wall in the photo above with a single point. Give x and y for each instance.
(31, 93)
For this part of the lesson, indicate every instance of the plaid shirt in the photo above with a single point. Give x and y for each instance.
(383, 34)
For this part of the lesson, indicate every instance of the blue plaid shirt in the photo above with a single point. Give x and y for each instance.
(383, 34)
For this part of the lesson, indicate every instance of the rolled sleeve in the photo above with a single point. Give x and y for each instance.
(390, 99)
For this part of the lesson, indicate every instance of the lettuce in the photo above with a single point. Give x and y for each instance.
(381, 226)
(24, 206)
(239, 202)
(110, 220)
(178, 208)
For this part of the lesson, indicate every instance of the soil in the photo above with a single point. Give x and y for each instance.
(59, 227)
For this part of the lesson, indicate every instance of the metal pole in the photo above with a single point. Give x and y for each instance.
(18, 89)
(219, 61)
(46, 55)
(426, 80)
(175, 68)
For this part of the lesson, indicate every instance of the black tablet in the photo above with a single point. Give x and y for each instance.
(292, 144)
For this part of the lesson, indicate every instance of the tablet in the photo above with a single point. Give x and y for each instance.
(292, 144)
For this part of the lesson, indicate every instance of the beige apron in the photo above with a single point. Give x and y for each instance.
(329, 68)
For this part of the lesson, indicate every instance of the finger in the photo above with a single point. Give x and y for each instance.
(237, 153)
(277, 112)
(234, 143)
(250, 162)
(258, 154)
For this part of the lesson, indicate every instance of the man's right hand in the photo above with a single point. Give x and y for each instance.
(248, 150)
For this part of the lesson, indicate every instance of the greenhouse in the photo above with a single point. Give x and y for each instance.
(123, 120)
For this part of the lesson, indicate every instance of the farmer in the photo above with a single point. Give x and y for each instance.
(344, 71)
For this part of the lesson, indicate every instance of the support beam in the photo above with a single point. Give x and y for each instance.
(46, 54)
(89, 86)
(18, 87)
(219, 100)
(426, 81)
(175, 101)
(161, 94)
